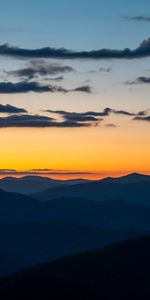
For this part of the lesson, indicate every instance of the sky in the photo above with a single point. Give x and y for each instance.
(74, 88)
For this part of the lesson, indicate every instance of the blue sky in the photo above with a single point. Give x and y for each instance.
(73, 24)
(77, 85)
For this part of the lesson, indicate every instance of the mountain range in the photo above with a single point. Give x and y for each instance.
(27, 185)
(73, 218)
(134, 188)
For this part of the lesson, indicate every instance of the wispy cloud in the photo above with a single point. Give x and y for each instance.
(38, 68)
(138, 18)
(105, 112)
(145, 119)
(111, 125)
(19, 117)
(40, 121)
(139, 80)
(36, 87)
(11, 109)
(46, 172)
(143, 50)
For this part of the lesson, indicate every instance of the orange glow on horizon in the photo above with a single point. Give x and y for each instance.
(100, 151)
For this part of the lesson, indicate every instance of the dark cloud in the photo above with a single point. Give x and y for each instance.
(96, 117)
(37, 68)
(33, 86)
(143, 112)
(143, 50)
(84, 89)
(65, 114)
(138, 118)
(106, 112)
(123, 112)
(137, 18)
(139, 80)
(65, 119)
(37, 121)
(11, 109)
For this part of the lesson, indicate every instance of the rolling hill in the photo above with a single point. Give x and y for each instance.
(120, 271)
(115, 214)
(137, 192)
(33, 184)
(27, 244)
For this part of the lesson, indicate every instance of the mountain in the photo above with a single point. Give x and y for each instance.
(138, 193)
(115, 214)
(120, 271)
(27, 244)
(33, 184)
(130, 178)
(18, 208)
(28, 185)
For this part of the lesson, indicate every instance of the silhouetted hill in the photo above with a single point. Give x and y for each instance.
(18, 208)
(102, 191)
(26, 244)
(130, 178)
(114, 214)
(33, 184)
(120, 271)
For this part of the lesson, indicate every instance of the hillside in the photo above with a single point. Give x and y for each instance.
(120, 271)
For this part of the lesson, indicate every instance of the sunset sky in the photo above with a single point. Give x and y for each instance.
(74, 88)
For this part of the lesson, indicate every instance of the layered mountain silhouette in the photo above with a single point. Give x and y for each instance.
(130, 178)
(33, 184)
(33, 231)
(114, 214)
(26, 244)
(120, 271)
(129, 188)
(76, 217)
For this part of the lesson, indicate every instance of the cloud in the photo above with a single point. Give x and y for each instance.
(37, 68)
(13, 172)
(111, 125)
(84, 89)
(142, 51)
(91, 114)
(122, 112)
(96, 117)
(139, 80)
(107, 70)
(137, 18)
(38, 121)
(101, 69)
(59, 78)
(63, 119)
(138, 118)
(11, 109)
(36, 87)
(143, 112)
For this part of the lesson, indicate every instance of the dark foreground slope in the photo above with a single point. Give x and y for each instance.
(27, 244)
(121, 271)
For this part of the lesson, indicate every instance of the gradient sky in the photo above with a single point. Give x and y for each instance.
(117, 144)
